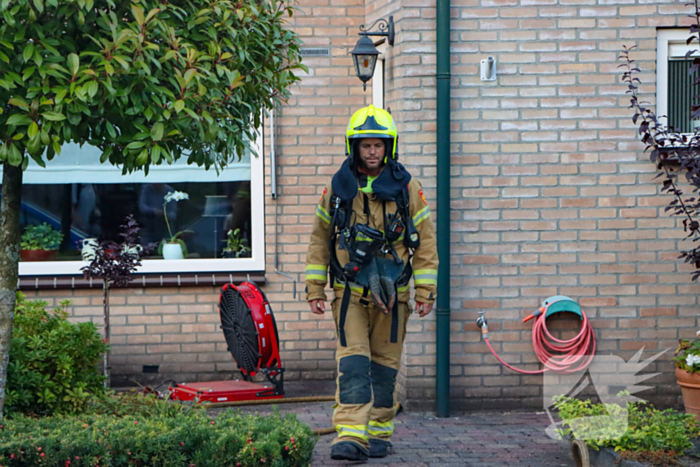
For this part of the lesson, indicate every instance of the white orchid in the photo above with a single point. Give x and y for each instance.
(176, 196)
(697, 333)
(692, 360)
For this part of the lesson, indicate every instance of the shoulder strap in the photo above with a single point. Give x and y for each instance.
(412, 238)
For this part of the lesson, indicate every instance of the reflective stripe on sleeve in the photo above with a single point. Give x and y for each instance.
(356, 431)
(317, 272)
(425, 276)
(421, 215)
(323, 214)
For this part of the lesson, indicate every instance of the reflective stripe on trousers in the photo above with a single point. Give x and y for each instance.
(385, 429)
(355, 431)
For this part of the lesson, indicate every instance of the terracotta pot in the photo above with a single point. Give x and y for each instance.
(690, 387)
(38, 255)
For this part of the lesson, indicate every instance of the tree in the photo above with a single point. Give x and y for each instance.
(143, 80)
(114, 263)
(673, 152)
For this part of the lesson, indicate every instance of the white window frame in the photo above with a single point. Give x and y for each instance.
(378, 84)
(669, 43)
(256, 263)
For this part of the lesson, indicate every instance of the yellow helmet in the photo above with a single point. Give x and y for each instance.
(372, 122)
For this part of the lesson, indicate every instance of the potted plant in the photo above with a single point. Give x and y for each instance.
(687, 360)
(235, 245)
(174, 247)
(40, 243)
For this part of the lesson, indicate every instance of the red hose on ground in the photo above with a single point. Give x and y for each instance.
(560, 356)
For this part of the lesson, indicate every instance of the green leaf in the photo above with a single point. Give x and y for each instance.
(155, 154)
(157, 131)
(142, 158)
(28, 72)
(60, 95)
(54, 116)
(135, 145)
(179, 105)
(33, 130)
(4, 57)
(73, 63)
(27, 53)
(189, 74)
(19, 119)
(14, 156)
(34, 148)
(39, 6)
(92, 88)
(105, 155)
(19, 102)
(110, 129)
(138, 14)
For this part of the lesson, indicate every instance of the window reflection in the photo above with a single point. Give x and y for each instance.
(93, 210)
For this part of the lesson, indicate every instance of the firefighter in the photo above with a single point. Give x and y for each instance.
(372, 233)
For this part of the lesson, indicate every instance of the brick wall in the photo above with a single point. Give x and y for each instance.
(551, 194)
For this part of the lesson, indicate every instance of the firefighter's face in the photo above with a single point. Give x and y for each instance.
(372, 153)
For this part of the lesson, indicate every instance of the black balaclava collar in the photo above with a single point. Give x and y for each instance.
(386, 186)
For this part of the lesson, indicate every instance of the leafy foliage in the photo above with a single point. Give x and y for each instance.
(688, 352)
(115, 262)
(235, 244)
(52, 361)
(647, 430)
(672, 152)
(188, 437)
(143, 80)
(40, 237)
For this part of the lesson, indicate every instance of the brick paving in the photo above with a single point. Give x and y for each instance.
(473, 439)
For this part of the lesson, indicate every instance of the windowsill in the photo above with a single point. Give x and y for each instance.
(212, 279)
(149, 266)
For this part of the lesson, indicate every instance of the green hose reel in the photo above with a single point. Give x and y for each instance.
(559, 304)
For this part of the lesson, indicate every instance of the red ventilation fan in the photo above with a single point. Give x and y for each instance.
(251, 334)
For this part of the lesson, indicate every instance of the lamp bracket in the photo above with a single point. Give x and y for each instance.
(385, 28)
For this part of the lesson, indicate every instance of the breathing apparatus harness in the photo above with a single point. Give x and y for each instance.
(379, 276)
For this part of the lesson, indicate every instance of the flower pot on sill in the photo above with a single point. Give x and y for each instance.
(690, 387)
(38, 255)
(172, 251)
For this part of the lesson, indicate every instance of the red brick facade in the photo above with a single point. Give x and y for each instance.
(551, 194)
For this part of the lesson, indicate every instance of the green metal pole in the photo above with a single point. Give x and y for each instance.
(443, 209)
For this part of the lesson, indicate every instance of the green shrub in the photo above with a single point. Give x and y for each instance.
(187, 438)
(53, 363)
(41, 237)
(643, 429)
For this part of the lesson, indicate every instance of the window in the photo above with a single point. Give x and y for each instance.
(84, 199)
(674, 90)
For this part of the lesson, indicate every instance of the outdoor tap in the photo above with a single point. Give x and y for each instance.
(481, 322)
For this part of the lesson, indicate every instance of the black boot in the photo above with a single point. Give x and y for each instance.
(348, 451)
(378, 448)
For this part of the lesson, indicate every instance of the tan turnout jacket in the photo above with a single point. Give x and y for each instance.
(425, 259)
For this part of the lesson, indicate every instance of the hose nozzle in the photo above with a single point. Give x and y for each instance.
(534, 315)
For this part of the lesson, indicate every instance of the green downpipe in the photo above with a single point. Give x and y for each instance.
(443, 209)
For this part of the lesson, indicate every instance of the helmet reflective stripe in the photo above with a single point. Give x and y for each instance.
(372, 122)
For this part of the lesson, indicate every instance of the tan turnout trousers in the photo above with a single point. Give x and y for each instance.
(367, 369)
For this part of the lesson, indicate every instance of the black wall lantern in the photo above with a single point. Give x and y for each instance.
(365, 53)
